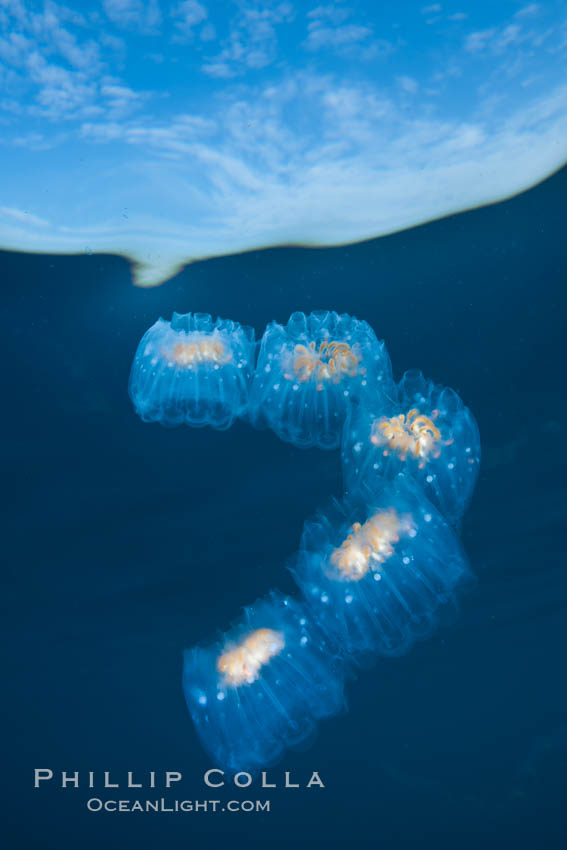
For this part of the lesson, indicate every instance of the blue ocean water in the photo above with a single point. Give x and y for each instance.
(127, 542)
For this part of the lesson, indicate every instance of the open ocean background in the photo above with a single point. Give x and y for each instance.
(127, 542)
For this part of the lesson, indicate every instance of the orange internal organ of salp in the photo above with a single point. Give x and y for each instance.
(412, 435)
(330, 362)
(242, 664)
(203, 349)
(368, 546)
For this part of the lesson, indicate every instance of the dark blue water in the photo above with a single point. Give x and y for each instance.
(126, 542)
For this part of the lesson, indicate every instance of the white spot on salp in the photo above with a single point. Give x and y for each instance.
(303, 621)
(154, 360)
(346, 393)
(348, 599)
(363, 383)
(303, 640)
(450, 466)
(374, 466)
(412, 532)
(220, 695)
(468, 449)
(429, 479)
(216, 366)
(427, 517)
(276, 386)
(295, 387)
(377, 577)
(268, 368)
(202, 699)
(406, 560)
(324, 598)
(358, 447)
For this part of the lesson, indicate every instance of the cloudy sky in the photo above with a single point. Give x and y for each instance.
(169, 131)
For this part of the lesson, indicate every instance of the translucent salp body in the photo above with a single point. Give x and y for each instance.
(309, 371)
(193, 371)
(376, 569)
(427, 433)
(263, 686)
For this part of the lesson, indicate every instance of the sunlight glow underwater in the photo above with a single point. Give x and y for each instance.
(374, 570)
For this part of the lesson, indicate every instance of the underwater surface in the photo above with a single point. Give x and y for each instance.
(128, 542)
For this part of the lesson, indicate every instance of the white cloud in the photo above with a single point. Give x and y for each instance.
(119, 100)
(120, 92)
(297, 157)
(58, 74)
(44, 32)
(221, 70)
(477, 41)
(327, 30)
(465, 137)
(408, 84)
(35, 141)
(428, 10)
(188, 15)
(47, 29)
(116, 44)
(208, 32)
(9, 107)
(16, 8)
(451, 71)
(140, 15)
(509, 35)
(333, 37)
(23, 216)
(497, 40)
(13, 49)
(528, 11)
(457, 16)
(246, 176)
(109, 131)
(177, 137)
(252, 43)
(61, 93)
(334, 14)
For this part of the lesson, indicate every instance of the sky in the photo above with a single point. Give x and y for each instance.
(172, 131)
